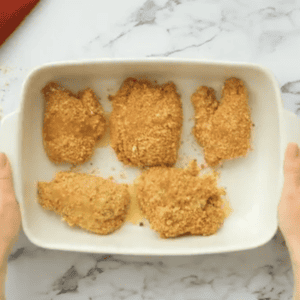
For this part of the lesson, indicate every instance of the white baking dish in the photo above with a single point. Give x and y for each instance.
(253, 184)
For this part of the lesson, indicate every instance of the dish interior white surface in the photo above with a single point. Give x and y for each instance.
(251, 182)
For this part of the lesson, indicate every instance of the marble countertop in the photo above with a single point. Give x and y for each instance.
(265, 32)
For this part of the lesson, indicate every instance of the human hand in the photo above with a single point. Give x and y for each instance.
(289, 206)
(10, 216)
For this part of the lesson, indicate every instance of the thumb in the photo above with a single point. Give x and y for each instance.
(6, 183)
(292, 164)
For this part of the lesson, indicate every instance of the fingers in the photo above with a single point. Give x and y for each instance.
(6, 183)
(10, 219)
(292, 164)
(291, 152)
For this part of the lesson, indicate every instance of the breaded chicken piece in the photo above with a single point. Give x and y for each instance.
(223, 128)
(92, 203)
(146, 122)
(72, 124)
(178, 202)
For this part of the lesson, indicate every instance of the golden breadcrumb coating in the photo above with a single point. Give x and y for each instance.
(90, 202)
(72, 124)
(178, 202)
(223, 128)
(146, 122)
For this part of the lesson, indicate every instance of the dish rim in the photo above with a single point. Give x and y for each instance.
(51, 65)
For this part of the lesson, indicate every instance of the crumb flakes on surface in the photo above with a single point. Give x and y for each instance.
(134, 215)
(70, 132)
(223, 128)
(4, 70)
(145, 123)
(122, 175)
(90, 202)
(177, 202)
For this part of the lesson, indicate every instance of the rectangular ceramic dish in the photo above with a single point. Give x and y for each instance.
(253, 184)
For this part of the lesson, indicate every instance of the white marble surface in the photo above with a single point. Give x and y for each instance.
(260, 31)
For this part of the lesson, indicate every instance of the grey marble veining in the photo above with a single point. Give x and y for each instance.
(262, 273)
(265, 32)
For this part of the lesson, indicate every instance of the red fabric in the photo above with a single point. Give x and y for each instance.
(12, 12)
